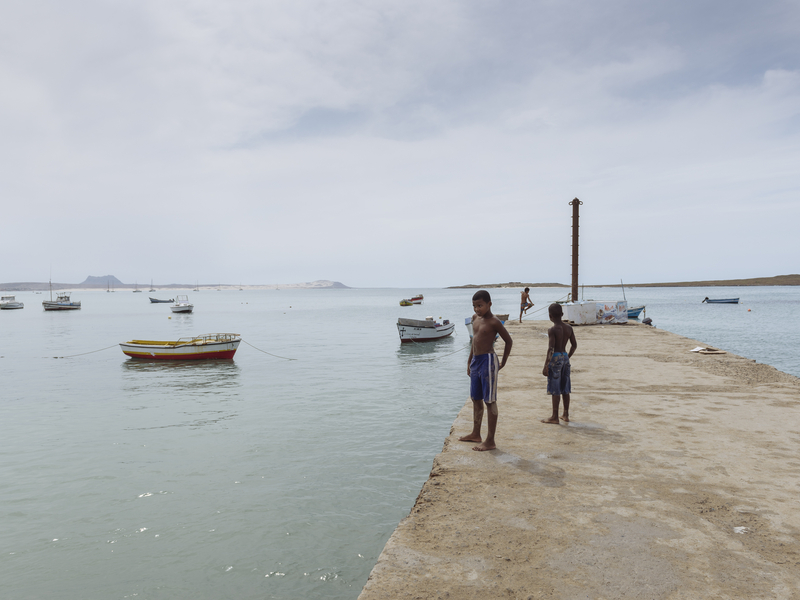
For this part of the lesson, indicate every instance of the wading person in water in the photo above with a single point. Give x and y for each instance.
(556, 365)
(483, 368)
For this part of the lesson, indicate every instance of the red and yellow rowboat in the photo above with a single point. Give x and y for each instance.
(201, 347)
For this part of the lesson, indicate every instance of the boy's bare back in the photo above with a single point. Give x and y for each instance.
(560, 334)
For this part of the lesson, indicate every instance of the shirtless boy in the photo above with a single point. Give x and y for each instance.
(556, 365)
(483, 368)
(525, 303)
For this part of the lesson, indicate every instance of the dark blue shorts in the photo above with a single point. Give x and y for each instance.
(483, 377)
(558, 382)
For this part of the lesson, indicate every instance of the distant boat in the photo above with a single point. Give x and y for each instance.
(417, 299)
(406, 302)
(707, 300)
(182, 305)
(414, 330)
(207, 346)
(10, 302)
(152, 289)
(156, 300)
(137, 288)
(62, 301)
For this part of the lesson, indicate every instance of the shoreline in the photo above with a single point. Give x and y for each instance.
(677, 478)
(779, 280)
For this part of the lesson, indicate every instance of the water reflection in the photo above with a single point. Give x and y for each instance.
(425, 351)
(198, 377)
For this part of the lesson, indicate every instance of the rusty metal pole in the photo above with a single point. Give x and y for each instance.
(575, 217)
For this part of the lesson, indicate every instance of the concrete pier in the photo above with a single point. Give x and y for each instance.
(678, 478)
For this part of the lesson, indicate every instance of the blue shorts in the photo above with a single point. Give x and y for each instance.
(558, 381)
(483, 377)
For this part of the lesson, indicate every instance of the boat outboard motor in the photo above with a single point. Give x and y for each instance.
(648, 321)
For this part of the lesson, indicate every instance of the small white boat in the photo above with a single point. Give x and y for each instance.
(62, 302)
(415, 330)
(207, 346)
(416, 299)
(10, 302)
(182, 305)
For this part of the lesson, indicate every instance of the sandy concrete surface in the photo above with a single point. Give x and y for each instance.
(679, 477)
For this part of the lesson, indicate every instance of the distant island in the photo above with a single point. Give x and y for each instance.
(111, 282)
(766, 281)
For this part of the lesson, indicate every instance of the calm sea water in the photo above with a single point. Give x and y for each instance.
(258, 477)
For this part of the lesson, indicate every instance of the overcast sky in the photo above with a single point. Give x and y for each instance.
(391, 144)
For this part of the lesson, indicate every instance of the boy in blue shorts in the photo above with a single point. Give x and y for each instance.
(556, 365)
(483, 368)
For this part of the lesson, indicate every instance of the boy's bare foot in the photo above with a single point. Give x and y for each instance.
(551, 420)
(484, 447)
(565, 418)
(470, 438)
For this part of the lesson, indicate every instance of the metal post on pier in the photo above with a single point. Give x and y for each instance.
(575, 218)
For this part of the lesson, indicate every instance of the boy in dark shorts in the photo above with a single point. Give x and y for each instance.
(525, 302)
(556, 365)
(483, 368)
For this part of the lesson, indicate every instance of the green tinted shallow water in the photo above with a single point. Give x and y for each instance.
(258, 477)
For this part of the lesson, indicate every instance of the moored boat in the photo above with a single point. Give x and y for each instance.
(416, 299)
(201, 347)
(10, 302)
(156, 300)
(708, 300)
(406, 302)
(182, 305)
(62, 302)
(634, 312)
(416, 330)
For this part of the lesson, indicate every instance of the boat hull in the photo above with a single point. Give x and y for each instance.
(722, 301)
(61, 306)
(182, 308)
(157, 301)
(194, 350)
(633, 313)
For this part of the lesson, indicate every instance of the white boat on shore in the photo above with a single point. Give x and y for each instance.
(182, 305)
(217, 346)
(415, 330)
(10, 302)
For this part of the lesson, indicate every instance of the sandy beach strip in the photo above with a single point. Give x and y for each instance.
(679, 478)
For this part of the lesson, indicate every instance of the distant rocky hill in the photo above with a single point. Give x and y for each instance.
(102, 281)
(777, 280)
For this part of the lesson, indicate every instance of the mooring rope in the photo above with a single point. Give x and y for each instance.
(538, 310)
(265, 352)
(84, 353)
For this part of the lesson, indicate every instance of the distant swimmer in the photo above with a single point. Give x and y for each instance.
(556, 365)
(525, 303)
(483, 369)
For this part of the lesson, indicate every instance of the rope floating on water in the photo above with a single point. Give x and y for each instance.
(265, 352)
(84, 353)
